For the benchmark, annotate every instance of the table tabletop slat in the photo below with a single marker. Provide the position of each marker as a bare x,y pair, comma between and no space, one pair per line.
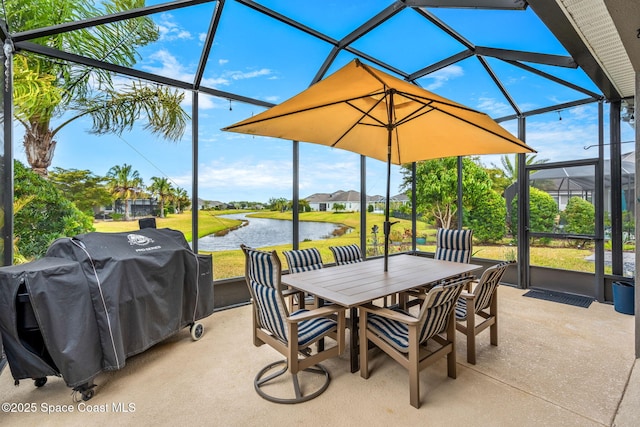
355,284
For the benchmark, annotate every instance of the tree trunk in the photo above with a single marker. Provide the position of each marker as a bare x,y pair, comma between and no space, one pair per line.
127,217
161,208
39,147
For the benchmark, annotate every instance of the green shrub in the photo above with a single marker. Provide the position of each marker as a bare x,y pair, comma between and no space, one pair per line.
46,217
487,219
579,216
543,211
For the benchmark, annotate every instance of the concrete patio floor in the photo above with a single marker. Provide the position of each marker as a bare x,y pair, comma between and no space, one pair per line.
556,365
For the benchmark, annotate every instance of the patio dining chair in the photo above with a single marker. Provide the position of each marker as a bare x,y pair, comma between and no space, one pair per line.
291,334
482,301
405,337
300,260
454,245
348,254
451,245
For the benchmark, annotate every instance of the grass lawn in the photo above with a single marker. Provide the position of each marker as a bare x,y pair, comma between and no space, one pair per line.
208,223
231,263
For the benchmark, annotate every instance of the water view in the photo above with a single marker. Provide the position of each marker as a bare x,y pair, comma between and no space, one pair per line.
260,232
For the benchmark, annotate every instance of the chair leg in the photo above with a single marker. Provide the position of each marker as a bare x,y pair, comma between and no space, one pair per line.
493,332
452,365
262,379
414,371
493,311
364,345
471,332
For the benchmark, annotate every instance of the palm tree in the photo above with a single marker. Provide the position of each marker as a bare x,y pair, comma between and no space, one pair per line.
181,199
278,204
511,168
124,183
162,189
45,90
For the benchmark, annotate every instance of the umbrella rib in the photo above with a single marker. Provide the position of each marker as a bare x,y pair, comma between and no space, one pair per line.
414,114
426,100
303,110
364,114
514,140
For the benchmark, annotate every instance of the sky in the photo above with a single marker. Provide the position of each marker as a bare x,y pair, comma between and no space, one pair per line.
264,59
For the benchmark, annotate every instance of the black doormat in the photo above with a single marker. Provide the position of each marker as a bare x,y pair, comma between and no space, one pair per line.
575,300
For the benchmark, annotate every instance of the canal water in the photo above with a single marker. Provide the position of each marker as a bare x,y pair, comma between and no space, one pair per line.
260,232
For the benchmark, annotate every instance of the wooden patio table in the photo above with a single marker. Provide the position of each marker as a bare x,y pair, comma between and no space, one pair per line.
352,285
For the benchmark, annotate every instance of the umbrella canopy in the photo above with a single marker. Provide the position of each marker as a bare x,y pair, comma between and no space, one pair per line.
367,111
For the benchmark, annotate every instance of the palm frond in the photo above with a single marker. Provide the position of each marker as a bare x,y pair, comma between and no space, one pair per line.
159,107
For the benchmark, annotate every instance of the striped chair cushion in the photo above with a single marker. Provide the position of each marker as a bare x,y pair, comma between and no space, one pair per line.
461,309
271,311
349,254
264,278
392,331
434,318
312,329
454,245
484,290
438,310
303,260
261,268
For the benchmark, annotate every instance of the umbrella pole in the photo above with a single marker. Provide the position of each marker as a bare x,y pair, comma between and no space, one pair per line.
387,224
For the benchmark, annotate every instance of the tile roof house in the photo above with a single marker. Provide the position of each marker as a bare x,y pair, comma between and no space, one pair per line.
350,199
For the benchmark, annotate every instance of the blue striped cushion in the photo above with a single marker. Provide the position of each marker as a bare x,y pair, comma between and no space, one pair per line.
263,271
392,331
437,312
461,309
261,268
491,279
454,245
312,329
346,254
484,290
264,279
303,260
434,316
271,310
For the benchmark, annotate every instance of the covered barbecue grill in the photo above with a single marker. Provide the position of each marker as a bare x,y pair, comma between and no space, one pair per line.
98,298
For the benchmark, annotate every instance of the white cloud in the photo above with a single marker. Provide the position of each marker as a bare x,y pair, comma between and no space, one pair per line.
268,176
223,61
168,66
440,77
170,30
242,75
163,63
493,107
204,103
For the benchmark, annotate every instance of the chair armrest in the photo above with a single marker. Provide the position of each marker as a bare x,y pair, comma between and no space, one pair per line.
471,285
389,314
290,291
466,295
323,311
416,293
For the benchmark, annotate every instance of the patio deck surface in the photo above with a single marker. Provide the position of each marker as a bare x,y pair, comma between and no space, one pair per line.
556,365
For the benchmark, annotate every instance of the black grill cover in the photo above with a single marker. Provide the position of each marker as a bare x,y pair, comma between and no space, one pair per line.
3,358
51,329
145,286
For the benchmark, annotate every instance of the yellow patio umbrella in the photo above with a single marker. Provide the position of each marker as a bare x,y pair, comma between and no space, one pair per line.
367,111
